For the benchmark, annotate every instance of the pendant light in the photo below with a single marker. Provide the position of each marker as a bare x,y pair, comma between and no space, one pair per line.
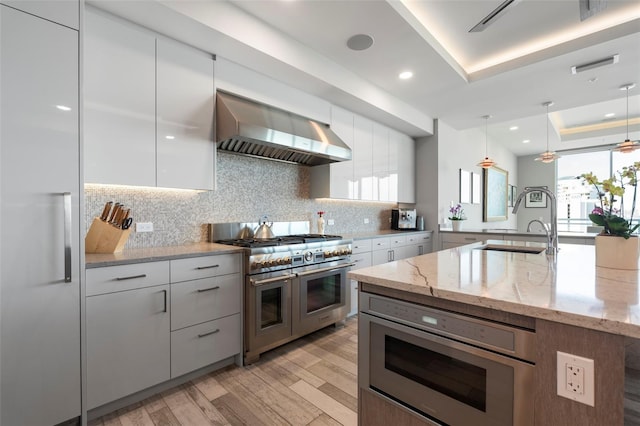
627,146
547,156
487,163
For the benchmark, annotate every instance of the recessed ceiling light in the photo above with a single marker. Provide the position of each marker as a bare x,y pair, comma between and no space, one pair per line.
63,108
611,114
404,75
513,128
613,59
360,42
526,141
170,137
593,80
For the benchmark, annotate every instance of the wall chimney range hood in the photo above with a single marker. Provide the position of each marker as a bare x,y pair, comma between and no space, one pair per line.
250,128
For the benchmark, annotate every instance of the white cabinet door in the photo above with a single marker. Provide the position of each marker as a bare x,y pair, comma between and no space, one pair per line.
128,343
120,103
65,12
363,158
185,96
39,162
380,155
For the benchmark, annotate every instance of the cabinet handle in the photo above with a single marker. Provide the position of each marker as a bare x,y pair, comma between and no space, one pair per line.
469,239
207,267
66,197
209,333
165,300
132,277
357,260
202,290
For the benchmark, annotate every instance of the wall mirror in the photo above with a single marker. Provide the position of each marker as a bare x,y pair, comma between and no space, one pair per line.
496,181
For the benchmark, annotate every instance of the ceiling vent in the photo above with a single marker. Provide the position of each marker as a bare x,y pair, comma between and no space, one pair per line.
613,59
491,18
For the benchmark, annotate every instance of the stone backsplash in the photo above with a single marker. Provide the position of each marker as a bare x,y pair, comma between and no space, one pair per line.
247,188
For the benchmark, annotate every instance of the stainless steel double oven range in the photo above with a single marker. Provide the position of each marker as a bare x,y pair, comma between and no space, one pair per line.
295,283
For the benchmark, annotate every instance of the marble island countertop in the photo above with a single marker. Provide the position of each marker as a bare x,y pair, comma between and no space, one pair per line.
568,289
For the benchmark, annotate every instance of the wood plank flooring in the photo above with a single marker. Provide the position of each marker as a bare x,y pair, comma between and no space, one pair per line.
311,381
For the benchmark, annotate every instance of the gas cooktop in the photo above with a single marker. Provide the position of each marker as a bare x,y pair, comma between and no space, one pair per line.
279,241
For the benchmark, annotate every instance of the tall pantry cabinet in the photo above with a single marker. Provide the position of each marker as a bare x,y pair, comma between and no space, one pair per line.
40,261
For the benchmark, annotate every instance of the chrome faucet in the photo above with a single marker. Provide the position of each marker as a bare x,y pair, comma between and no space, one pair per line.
552,234
545,228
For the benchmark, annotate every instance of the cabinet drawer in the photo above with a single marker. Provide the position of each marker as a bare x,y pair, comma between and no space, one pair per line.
418,238
203,344
126,277
381,243
397,241
205,266
465,238
361,246
206,299
361,260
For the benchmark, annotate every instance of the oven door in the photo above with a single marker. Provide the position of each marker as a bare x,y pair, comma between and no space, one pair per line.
320,298
444,380
268,313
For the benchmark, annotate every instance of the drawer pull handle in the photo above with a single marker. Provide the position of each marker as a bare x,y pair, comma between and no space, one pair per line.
202,290
207,267
469,239
209,333
132,277
165,300
357,260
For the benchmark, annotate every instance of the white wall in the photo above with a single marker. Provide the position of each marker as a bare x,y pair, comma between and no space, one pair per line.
464,149
534,173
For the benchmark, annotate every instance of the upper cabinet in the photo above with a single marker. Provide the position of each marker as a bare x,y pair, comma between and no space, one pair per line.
64,12
185,94
148,108
382,168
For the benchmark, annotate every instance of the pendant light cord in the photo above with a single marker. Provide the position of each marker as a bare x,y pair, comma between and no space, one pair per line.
628,112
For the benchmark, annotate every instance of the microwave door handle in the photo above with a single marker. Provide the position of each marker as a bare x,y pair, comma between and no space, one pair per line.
317,271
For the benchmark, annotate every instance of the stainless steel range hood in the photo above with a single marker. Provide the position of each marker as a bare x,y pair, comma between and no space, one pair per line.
250,128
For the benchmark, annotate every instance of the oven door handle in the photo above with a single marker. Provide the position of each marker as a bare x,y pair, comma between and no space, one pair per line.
333,268
258,283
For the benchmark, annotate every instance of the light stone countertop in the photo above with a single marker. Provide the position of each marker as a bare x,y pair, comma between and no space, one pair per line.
155,254
569,289
516,232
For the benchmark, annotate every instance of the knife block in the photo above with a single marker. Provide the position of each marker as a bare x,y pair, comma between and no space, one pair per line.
105,238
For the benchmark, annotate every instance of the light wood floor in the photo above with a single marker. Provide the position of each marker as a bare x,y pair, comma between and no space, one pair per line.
311,381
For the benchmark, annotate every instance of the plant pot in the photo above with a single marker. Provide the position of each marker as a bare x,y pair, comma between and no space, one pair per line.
456,225
616,252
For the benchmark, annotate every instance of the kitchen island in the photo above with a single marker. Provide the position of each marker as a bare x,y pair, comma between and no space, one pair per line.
569,304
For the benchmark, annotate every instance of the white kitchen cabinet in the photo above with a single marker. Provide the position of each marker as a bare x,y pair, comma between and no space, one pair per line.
363,158
185,97
40,189
418,244
381,171
361,257
120,105
128,343
128,330
64,12
148,108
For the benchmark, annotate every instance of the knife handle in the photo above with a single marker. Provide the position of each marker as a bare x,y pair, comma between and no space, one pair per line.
114,213
118,218
105,211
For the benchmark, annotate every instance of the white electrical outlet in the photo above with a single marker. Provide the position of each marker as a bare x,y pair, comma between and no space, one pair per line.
144,226
576,378
366,220
331,222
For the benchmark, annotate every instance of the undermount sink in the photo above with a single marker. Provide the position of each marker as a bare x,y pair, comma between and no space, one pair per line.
512,249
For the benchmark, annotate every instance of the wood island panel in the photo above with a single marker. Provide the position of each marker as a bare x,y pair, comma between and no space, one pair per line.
607,351
373,410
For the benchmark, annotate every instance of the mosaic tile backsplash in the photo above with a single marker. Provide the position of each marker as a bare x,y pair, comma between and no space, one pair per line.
247,188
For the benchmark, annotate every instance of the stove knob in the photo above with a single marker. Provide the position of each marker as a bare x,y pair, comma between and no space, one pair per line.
308,256
255,265
264,263
286,260
327,254
281,261
336,253
349,251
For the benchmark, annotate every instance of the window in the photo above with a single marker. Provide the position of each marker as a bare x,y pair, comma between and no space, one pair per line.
576,199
